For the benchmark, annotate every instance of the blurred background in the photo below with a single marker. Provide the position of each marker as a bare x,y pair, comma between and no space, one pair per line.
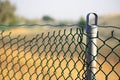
55,12
58,12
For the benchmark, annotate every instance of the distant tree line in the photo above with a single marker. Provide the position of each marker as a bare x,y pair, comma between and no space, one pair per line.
8,16
7,12
82,22
47,18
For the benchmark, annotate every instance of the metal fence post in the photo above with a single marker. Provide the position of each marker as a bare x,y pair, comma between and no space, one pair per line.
91,48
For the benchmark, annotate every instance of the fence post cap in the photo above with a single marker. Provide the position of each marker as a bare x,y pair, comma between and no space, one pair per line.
91,28
96,18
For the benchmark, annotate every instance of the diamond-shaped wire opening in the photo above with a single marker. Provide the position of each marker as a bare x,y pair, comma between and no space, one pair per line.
113,75
116,69
100,76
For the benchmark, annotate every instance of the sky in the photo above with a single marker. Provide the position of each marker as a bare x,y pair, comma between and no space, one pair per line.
65,9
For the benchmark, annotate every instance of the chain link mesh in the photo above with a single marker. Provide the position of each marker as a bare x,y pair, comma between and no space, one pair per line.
51,56
108,57
57,55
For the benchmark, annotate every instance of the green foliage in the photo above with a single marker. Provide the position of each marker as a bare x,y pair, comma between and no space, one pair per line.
47,18
7,12
82,22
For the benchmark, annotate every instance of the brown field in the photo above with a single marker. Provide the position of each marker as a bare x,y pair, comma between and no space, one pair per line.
31,63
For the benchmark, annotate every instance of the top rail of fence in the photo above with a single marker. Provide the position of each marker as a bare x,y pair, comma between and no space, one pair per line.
60,25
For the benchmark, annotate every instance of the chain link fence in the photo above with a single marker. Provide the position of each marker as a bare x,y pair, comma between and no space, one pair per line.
51,56
68,54
58,55
108,54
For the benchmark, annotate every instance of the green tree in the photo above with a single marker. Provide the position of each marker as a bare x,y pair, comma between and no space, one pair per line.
47,18
82,22
7,12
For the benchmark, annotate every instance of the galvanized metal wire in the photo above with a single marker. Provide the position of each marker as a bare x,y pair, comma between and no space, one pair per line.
57,55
